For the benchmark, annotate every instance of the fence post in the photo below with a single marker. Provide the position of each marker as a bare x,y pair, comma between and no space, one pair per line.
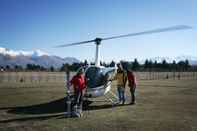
1,77
173,75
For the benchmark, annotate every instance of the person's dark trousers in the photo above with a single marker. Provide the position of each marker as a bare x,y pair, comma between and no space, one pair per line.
132,91
121,94
79,99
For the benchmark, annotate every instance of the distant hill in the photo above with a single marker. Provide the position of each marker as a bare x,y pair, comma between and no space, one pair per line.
38,57
192,59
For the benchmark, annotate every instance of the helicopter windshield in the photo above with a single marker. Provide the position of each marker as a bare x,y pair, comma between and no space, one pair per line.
95,77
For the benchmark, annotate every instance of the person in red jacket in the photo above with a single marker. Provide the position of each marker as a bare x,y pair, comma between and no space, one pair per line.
132,84
78,82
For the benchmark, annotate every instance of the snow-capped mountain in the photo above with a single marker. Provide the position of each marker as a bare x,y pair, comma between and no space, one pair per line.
192,59
14,53
38,57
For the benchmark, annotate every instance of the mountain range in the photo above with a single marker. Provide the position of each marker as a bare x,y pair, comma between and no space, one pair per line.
192,59
37,57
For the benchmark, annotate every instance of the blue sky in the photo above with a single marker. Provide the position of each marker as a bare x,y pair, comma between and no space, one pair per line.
42,24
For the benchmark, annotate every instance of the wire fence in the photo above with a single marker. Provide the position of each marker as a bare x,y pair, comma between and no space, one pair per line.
31,77
166,75
60,77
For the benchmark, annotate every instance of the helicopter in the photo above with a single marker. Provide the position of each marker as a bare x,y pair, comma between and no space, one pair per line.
99,78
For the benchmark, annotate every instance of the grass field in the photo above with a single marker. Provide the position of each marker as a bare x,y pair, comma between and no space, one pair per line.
162,105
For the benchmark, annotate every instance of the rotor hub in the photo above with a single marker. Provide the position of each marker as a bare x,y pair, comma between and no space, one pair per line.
98,41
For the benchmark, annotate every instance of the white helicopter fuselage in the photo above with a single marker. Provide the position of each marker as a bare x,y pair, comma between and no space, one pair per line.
98,80
97,92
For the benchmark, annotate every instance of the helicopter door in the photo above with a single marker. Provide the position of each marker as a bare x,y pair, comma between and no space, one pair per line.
95,77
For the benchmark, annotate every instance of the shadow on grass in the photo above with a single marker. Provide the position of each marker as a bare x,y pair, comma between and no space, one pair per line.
48,110
53,107
38,116
57,106
45,117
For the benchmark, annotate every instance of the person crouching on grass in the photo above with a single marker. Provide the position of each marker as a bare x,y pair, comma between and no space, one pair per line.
132,85
78,82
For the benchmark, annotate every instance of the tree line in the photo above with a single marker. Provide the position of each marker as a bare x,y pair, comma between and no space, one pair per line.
149,65
134,65
29,67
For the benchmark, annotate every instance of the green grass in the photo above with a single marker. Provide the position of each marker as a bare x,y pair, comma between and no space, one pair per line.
164,105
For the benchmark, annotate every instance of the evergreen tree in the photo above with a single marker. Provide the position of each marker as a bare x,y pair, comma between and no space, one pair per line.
112,64
18,68
146,64
65,67
181,65
164,65
155,64
85,62
150,65
7,67
136,65
52,69
187,65
174,65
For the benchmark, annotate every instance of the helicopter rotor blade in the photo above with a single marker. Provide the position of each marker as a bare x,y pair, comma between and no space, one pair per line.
73,44
159,30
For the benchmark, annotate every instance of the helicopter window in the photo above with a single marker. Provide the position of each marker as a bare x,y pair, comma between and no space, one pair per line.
95,77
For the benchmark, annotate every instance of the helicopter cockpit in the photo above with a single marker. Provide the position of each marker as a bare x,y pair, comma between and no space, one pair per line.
95,77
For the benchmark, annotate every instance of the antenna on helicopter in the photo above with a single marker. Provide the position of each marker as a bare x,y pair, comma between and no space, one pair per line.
97,41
